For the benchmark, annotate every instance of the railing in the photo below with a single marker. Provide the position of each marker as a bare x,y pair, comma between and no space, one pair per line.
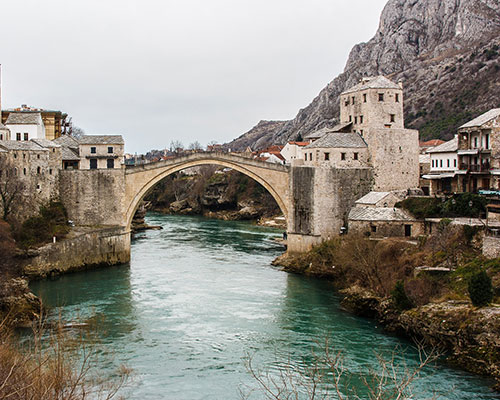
475,167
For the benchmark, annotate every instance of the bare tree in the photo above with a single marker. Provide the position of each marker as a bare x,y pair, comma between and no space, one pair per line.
176,146
77,132
11,187
328,375
195,146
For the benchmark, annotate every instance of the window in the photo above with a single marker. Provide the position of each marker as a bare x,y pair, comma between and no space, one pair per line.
110,163
380,97
110,150
393,118
18,136
92,150
50,171
93,163
355,120
342,156
1,136
327,156
407,230
475,142
441,163
361,132
24,171
487,141
38,156
396,97
26,136
455,162
360,119
374,228
350,118
364,98
355,156
353,100
38,170
432,163
347,101
448,162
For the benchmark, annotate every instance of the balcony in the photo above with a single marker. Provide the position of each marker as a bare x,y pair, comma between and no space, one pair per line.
475,167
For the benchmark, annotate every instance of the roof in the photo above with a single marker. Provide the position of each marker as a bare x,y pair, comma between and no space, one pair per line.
24,118
338,140
46,143
21,145
69,155
431,143
66,140
377,82
299,143
482,119
380,214
372,197
101,139
3,127
323,131
447,147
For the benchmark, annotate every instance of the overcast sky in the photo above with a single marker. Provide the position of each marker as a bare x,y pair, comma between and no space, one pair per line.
161,70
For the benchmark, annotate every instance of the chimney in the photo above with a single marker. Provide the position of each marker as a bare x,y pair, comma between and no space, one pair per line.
400,83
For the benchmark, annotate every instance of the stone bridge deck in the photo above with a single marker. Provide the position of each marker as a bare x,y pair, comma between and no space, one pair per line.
142,178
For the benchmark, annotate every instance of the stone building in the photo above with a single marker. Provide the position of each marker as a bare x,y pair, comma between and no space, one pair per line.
372,114
99,152
292,151
35,164
25,126
338,149
69,152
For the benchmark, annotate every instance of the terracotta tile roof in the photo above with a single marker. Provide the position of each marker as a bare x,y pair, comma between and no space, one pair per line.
299,143
431,143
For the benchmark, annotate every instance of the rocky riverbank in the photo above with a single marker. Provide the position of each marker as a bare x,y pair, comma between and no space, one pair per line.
441,314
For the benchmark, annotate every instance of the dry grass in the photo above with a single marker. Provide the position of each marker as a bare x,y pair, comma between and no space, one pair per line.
55,365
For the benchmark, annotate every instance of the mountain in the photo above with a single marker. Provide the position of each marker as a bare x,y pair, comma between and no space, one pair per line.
446,52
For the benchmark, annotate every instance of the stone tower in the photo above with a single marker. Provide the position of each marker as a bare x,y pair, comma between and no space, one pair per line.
374,107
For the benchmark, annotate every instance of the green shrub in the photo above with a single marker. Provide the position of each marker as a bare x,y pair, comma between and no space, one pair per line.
51,221
480,289
400,298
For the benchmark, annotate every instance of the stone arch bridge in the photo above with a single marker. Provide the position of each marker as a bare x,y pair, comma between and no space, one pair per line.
314,200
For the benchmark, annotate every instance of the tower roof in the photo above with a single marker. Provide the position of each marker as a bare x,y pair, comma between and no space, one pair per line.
377,82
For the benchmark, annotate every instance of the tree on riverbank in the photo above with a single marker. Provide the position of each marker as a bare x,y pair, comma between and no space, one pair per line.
327,375
10,187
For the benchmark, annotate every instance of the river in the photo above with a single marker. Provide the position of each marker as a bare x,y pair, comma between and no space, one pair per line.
200,295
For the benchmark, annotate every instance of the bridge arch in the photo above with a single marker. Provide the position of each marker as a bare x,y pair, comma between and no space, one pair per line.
139,180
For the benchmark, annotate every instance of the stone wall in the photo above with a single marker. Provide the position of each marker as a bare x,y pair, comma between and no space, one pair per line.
93,197
394,155
380,229
82,249
322,199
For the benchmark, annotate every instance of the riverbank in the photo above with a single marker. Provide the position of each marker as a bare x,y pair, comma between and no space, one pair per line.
366,272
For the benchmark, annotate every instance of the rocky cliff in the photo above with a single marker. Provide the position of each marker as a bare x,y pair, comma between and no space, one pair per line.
446,52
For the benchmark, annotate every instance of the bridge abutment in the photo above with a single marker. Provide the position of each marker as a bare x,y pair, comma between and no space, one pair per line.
321,198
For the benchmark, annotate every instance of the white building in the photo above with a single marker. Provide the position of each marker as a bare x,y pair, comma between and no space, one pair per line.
292,151
443,167
25,126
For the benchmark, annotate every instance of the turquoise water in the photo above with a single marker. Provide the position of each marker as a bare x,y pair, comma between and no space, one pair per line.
200,295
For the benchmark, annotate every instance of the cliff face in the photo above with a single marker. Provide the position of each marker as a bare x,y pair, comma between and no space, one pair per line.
446,52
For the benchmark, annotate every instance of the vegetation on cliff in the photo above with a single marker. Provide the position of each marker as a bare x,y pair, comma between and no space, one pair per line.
213,192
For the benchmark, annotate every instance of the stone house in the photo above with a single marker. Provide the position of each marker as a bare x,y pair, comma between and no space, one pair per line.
444,171
36,165
99,152
381,222
69,152
25,126
479,152
337,149
371,112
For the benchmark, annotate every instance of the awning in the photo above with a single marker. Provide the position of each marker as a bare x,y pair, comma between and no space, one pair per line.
468,152
439,176
461,172
495,171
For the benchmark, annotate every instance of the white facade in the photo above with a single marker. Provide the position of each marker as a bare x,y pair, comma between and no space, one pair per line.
25,126
444,162
293,151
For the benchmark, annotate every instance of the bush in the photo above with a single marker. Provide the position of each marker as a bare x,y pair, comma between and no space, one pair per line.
480,289
51,221
400,298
